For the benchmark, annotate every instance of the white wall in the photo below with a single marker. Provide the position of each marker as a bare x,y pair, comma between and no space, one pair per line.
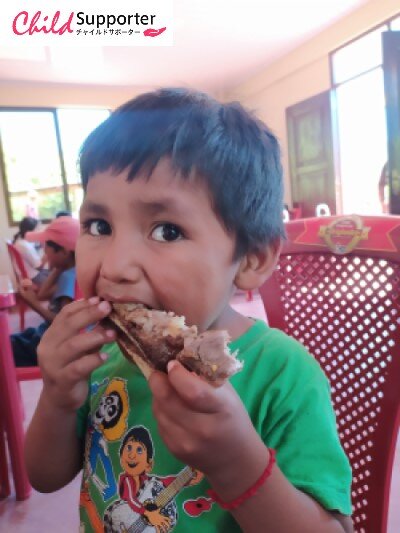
305,72
299,75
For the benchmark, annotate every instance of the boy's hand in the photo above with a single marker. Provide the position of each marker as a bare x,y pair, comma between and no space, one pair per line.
27,293
67,355
203,426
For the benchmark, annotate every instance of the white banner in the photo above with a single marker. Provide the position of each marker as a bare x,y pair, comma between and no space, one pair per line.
86,23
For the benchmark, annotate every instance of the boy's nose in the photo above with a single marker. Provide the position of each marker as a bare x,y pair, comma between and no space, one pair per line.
120,263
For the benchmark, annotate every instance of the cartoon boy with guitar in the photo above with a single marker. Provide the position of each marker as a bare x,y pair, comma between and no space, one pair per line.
146,502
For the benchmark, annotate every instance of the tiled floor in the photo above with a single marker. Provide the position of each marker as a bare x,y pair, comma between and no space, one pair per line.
57,512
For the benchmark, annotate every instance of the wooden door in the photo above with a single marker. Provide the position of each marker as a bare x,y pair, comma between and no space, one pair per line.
310,144
391,69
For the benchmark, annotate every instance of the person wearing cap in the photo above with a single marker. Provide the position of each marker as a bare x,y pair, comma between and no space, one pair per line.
59,239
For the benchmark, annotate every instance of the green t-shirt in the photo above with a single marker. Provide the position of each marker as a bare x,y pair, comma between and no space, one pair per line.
288,399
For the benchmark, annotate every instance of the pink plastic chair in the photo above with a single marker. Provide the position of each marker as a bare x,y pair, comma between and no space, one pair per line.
10,416
337,290
20,274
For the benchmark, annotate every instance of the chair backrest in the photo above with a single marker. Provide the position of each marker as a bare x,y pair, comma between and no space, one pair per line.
17,262
336,289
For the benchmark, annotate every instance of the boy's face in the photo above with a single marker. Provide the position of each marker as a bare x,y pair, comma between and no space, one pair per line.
134,458
56,259
158,242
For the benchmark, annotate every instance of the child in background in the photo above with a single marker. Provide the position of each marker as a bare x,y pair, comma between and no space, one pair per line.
59,240
32,259
183,204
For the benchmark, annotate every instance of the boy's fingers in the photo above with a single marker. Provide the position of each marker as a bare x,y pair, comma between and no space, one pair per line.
76,305
73,318
82,368
86,342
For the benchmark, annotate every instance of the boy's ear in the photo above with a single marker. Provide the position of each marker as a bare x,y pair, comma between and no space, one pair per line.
257,266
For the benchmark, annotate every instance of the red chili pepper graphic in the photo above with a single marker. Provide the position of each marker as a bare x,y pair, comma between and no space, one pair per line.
151,32
197,507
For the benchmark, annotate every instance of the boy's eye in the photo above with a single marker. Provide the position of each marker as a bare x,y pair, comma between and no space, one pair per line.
98,227
167,233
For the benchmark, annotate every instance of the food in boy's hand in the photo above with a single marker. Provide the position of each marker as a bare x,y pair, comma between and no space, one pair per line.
151,338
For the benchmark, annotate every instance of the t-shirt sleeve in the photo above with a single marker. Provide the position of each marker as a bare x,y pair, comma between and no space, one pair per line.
302,428
65,287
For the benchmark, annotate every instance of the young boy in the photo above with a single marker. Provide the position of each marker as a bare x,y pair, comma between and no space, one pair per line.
59,238
183,204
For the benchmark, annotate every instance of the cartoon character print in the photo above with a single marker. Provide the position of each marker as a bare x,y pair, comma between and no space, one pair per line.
107,423
146,502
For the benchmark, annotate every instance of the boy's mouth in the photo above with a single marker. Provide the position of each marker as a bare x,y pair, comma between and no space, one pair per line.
113,300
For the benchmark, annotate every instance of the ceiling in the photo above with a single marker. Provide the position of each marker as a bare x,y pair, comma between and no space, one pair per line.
217,45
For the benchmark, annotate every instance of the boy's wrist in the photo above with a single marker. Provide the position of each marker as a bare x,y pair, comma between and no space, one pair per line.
51,408
233,479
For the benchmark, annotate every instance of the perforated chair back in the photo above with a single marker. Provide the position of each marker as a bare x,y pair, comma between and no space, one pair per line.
336,289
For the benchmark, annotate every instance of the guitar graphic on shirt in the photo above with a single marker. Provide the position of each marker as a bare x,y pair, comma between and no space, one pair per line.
120,518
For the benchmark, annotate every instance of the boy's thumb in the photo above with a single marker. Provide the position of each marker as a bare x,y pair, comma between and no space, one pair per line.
194,391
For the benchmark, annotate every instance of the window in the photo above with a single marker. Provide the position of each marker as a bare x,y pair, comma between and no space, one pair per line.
39,150
75,125
395,24
362,135
357,78
358,57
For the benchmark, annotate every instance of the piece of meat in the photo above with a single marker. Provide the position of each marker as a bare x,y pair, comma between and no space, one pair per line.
157,337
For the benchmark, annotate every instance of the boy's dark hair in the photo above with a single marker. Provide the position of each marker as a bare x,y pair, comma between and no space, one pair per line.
57,248
63,214
234,152
26,224
139,434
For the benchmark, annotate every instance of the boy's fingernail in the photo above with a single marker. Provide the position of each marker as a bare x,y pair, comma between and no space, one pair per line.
110,333
103,356
104,306
171,365
94,300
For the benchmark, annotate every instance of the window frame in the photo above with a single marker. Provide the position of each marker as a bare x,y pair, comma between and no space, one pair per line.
387,22
64,183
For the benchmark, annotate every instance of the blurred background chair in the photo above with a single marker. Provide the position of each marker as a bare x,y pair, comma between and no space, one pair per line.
11,413
20,274
322,210
336,289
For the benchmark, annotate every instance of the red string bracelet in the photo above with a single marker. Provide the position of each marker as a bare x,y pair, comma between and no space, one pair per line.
233,504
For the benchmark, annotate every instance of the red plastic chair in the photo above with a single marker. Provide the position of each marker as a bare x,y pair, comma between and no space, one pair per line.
20,274
11,428
12,414
337,290
28,373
